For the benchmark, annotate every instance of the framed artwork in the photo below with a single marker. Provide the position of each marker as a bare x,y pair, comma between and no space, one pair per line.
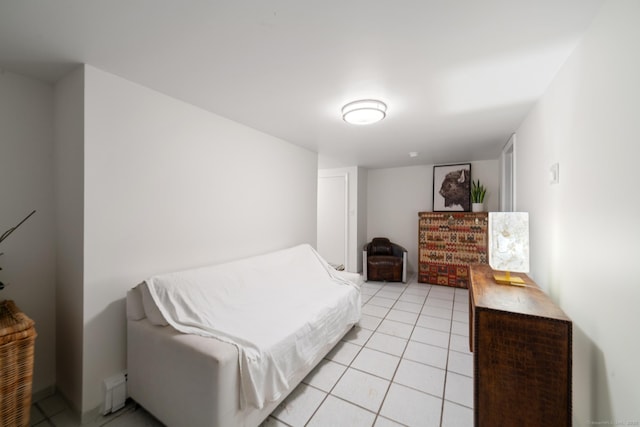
452,188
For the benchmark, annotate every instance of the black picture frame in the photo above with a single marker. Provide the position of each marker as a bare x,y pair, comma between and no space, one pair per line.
452,188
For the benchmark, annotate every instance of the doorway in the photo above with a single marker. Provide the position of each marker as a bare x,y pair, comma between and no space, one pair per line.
508,176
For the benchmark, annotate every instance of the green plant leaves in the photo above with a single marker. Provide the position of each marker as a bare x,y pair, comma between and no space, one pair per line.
478,191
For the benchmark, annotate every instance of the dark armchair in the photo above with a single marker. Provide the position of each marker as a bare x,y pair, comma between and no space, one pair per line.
383,260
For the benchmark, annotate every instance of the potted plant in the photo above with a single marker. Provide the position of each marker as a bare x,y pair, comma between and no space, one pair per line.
478,191
7,233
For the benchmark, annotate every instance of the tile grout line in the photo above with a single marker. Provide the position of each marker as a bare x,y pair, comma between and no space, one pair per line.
446,371
403,352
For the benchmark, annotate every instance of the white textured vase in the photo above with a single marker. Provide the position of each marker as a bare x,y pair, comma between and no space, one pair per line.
477,207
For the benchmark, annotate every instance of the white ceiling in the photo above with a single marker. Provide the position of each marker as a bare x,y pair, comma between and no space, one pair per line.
458,76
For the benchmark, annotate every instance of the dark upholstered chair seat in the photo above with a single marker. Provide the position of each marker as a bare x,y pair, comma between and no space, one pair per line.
384,261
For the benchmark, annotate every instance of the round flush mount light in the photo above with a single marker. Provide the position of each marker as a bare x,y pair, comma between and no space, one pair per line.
364,112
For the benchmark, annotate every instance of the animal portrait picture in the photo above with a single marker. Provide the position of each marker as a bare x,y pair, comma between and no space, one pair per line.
452,187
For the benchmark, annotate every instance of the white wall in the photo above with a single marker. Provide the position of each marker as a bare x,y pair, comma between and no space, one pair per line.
26,183
361,238
585,230
333,229
69,192
396,195
169,186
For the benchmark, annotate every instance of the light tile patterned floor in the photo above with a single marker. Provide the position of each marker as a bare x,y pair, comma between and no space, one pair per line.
406,364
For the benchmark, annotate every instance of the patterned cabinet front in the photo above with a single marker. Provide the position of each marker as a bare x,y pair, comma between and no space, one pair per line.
448,243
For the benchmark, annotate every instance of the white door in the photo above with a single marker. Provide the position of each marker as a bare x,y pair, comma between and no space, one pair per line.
332,219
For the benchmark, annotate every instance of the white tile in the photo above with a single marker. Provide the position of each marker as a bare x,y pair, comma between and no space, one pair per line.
325,375
36,415
411,407
459,343
357,335
421,290
421,377
442,292
382,302
362,389
443,313
395,286
398,329
430,336
459,316
387,343
272,422
134,418
344,353
461,363
368,291
298,407
65,419
427,354
338,413
385,422
402,316
456,416
373,285
459,389
52,405
374,310
376,363
369,322
419,293
462,306
389,293
436,323
416,299
408,306
460,328
461,293
437,302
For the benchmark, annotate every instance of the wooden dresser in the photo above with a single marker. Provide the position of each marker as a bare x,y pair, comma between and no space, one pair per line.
448,242
522,354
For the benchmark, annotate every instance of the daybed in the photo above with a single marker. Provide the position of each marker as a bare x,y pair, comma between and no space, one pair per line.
224,345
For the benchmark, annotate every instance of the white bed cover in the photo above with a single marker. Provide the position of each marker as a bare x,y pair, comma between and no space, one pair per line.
278,309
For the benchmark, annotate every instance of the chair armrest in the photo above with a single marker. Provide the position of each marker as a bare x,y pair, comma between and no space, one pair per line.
364,263
397,250
404,266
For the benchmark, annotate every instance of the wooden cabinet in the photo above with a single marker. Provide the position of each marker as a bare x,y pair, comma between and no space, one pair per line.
448,243
522,354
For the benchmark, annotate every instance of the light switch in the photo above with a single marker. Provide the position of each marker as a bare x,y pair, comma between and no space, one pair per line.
554,174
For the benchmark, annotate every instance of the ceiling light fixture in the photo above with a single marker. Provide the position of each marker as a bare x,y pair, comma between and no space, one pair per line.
364,112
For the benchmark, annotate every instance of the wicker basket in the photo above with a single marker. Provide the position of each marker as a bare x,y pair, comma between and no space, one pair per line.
17,339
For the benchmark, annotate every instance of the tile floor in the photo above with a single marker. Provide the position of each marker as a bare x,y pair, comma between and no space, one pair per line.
407,363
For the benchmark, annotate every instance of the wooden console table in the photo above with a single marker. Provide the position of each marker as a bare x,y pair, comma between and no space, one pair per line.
522,354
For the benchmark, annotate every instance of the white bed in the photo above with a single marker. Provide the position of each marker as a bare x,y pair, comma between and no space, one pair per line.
224,345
